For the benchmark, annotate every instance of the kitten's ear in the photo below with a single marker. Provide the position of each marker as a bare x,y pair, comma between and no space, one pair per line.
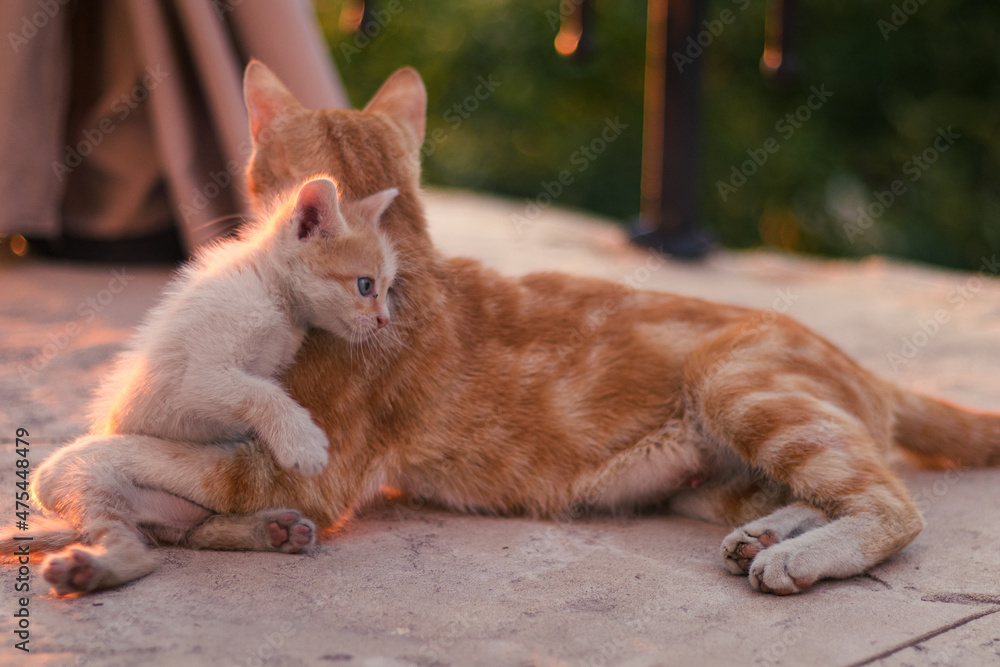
373,206
266,98
404,99
317,209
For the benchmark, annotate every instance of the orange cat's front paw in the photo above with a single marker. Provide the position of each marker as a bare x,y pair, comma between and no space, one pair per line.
776,571
743,547
740,548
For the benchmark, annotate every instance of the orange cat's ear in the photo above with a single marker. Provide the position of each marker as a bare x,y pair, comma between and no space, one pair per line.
404,99
317,209
267,99
373,206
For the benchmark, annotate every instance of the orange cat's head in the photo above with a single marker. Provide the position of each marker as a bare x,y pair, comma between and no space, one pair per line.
367,151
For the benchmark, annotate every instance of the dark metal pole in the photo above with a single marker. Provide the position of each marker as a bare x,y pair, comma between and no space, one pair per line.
780,63
575,39
669,213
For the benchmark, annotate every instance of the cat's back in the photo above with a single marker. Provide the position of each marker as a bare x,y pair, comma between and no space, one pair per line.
570,352
559,310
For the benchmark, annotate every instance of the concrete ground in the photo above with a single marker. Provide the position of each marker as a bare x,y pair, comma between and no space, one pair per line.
425,587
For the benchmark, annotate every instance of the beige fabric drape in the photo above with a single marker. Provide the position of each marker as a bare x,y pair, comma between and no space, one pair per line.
120,118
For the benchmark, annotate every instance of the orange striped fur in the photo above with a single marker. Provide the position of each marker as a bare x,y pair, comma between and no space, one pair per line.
541,393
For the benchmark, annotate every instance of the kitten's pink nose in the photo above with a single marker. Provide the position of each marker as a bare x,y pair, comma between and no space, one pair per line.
381,321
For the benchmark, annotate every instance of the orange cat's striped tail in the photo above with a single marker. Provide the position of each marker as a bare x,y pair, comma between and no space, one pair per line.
47,535
942,434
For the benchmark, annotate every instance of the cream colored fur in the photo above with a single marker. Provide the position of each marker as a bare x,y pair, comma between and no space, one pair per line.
203,369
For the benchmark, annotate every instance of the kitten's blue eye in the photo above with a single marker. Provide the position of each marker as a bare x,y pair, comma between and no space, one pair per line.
365,286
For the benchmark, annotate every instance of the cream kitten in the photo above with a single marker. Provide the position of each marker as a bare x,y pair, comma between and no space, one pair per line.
201,372
203,367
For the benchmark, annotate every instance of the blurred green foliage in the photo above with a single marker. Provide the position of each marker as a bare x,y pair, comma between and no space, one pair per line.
892,91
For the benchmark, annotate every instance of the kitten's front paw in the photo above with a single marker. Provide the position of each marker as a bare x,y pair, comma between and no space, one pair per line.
741,547
780,571
301,446
72,571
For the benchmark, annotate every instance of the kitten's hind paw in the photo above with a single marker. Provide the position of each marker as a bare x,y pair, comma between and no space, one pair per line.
288,531
72,571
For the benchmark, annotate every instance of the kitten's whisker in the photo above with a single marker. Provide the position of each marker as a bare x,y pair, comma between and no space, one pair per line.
400,322
350,346
392,335
388,341
364,348
240,217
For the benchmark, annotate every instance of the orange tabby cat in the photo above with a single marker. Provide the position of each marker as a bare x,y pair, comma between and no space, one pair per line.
549,392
